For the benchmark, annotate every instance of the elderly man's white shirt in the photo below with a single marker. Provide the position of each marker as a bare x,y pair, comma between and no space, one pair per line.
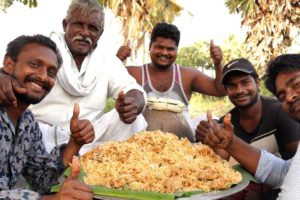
110,78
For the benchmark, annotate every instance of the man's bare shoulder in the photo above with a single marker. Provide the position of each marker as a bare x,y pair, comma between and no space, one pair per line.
134,67
135,71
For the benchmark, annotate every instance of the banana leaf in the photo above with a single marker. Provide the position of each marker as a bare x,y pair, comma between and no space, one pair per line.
100,191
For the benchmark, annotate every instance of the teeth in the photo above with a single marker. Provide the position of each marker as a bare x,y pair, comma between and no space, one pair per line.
36,86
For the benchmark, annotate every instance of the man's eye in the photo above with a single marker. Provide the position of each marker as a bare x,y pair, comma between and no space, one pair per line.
297,84
94,29
52,74
34,64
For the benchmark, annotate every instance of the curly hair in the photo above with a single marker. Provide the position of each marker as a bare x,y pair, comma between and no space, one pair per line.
286,63
165,30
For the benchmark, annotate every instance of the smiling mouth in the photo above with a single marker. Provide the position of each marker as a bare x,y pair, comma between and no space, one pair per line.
241,97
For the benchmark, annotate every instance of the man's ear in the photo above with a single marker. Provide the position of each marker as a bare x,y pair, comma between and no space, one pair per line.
257,80
8,65
64,23
150,43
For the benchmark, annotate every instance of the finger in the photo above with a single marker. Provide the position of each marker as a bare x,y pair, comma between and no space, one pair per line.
200,135
9,92
209,118
127,44
75,167
74,123
85,138
212,44
17,87
84,126
121,96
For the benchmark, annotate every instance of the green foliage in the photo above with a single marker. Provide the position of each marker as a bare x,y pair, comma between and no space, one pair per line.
198,55
245,7
232,49
110,104
199,104
30,3
195,55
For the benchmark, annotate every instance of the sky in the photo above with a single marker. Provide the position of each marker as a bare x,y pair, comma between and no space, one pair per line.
201,20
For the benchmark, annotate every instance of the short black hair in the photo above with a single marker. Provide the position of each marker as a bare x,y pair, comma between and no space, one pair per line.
285,63
14,48
165,30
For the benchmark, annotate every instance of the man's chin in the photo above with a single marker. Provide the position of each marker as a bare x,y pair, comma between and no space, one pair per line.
29,99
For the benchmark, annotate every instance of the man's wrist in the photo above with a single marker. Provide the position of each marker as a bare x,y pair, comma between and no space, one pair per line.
231,143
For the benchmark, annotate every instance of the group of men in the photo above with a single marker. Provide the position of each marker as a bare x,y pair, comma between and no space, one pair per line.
67,117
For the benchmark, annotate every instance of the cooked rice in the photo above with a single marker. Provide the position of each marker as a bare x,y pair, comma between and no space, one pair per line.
160,162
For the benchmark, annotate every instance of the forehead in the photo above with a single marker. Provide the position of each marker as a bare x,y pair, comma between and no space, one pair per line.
34,51
283,80
164,41
91,17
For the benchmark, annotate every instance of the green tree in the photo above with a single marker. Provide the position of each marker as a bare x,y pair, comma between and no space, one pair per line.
6,3
137,17
195,56
273,26
198,55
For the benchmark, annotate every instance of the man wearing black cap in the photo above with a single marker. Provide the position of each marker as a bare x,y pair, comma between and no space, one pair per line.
258,120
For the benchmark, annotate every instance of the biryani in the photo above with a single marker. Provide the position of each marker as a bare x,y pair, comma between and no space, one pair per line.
160,162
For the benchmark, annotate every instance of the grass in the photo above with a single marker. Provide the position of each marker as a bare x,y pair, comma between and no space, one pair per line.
199,104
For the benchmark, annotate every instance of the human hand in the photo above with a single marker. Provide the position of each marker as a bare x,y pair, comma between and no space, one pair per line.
213,134
7,87
82,131
72,188
124,51
215,54
127,108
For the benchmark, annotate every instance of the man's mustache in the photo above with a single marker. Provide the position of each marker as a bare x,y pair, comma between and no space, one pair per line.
86,39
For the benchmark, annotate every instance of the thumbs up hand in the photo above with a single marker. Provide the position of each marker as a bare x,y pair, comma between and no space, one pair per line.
127,108
124,51
226,132
214,134
82,131
72,188
215,54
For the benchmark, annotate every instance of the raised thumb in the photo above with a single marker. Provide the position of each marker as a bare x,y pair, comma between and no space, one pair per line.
121,96
209,118
127,44
75,118
212,43
75,167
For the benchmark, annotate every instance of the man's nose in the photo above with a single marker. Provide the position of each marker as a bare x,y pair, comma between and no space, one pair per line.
290,95
239,88
85,30
42,74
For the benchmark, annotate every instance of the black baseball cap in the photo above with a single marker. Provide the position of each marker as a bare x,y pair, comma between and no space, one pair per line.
240,64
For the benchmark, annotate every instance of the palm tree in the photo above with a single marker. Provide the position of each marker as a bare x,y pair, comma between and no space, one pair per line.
139,16
273,26
6,3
